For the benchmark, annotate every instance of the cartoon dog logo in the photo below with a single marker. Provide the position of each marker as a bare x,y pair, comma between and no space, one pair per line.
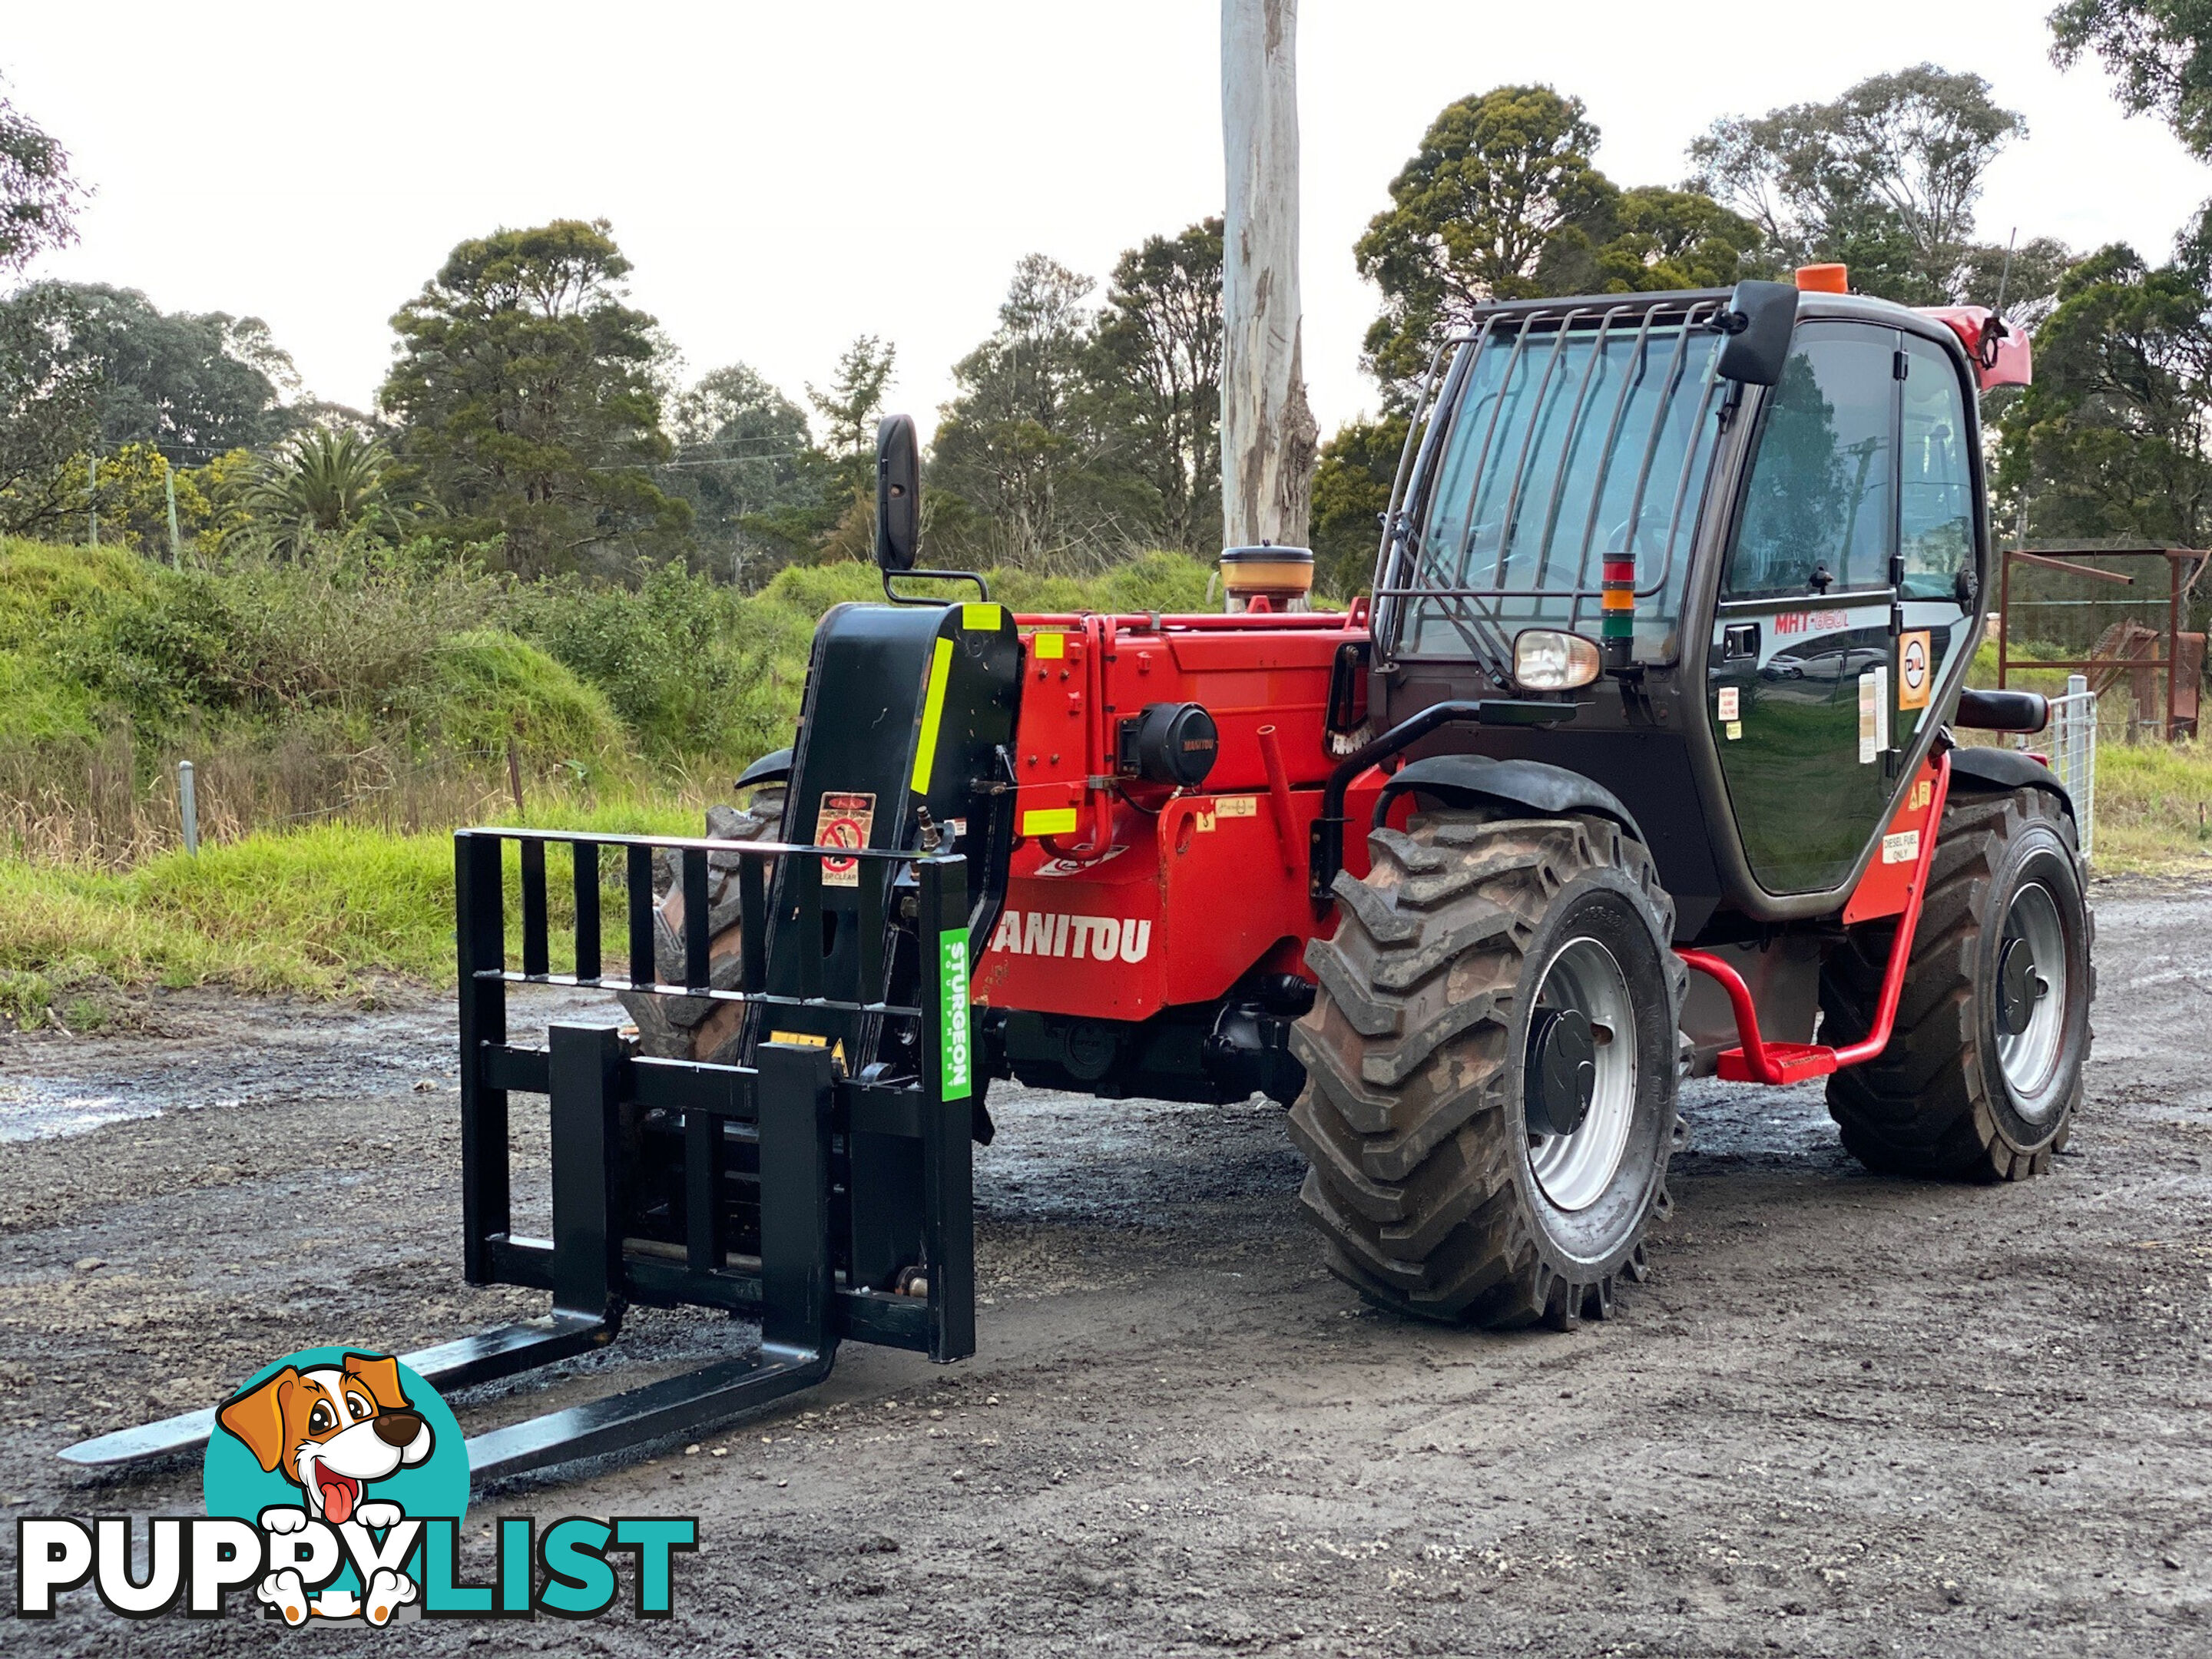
332,1431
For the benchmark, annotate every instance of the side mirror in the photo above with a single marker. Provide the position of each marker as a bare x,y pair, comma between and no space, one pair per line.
898,493
1757,321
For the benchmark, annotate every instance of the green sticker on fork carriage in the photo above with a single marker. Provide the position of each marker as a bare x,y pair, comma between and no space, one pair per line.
955,1039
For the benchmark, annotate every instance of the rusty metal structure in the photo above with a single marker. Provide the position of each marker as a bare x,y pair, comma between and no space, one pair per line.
2146,656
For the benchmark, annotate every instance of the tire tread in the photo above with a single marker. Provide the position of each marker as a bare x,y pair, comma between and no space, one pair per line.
1409,1177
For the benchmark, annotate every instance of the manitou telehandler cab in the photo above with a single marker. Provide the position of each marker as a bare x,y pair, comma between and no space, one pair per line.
1638,765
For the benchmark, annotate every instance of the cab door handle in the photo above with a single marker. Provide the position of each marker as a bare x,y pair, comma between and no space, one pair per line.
1739,639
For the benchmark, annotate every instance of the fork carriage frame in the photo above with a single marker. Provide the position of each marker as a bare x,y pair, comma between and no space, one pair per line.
850,1171
828,1185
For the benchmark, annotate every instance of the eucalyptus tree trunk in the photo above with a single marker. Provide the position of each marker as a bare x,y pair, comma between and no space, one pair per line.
1267,432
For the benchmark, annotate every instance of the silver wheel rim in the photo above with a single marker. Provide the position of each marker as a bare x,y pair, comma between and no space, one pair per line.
1573,1171
2029,1058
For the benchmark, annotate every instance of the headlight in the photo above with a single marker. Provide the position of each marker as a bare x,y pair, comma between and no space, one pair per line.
1546,660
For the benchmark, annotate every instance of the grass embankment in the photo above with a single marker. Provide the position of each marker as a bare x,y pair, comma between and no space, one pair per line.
322,910
2154,799
342,712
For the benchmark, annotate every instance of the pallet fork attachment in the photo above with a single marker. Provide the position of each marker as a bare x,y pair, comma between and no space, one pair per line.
854,1193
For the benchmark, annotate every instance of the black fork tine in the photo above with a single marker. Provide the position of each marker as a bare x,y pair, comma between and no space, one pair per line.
641,968
696,975
586,855
535,956
752,922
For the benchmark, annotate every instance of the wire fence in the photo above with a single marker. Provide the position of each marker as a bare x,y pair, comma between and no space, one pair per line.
2071,744
2073,753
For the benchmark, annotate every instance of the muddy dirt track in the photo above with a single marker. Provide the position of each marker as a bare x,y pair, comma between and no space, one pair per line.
1847,1415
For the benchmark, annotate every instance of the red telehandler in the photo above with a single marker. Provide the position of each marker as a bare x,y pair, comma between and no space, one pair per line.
1638,764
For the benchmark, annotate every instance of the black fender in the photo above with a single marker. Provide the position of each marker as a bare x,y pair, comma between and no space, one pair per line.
1988,771
1526,785
774,767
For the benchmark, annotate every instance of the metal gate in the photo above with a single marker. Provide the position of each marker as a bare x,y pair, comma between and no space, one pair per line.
2073,753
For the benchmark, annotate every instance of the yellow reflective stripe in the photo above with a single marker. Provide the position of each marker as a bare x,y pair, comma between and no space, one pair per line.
933,712
1049,821
1048,645
981,618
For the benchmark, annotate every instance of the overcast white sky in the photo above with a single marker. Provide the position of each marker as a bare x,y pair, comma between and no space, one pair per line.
785,176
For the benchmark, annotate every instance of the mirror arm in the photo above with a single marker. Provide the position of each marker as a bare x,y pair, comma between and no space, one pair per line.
897,598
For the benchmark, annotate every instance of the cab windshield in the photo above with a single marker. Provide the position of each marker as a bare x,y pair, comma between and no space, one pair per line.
1562,437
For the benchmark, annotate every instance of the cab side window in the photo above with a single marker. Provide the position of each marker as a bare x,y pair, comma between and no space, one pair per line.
1936,493
1819,500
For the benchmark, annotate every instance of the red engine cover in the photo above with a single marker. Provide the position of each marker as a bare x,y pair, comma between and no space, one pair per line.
1126,896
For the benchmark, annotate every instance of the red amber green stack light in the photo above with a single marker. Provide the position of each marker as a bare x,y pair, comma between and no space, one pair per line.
1619,607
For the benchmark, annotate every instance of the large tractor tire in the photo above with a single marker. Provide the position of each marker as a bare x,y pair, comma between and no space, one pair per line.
1983,1072
1493,1065
697,1028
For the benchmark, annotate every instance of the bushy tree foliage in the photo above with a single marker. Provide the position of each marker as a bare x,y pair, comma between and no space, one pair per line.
1652,239
39,199
760,492
191,385
132,494
1019,442
851,404
2112,439
1156,377
49,404
2159,52
1502,202
1497,176
530,398
1883,179
2021,282
1351,493
86,368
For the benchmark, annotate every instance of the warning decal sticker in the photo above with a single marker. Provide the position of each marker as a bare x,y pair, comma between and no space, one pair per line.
1874,713
1912,673
845,820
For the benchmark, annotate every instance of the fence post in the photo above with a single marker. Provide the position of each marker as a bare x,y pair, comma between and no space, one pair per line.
92,493
188,806
176,541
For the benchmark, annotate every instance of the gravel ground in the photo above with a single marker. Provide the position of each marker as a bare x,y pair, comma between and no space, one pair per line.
1847,1415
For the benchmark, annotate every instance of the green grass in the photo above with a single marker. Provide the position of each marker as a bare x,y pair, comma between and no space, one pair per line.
494,689
2153,799
2155,808
44,586
321,911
